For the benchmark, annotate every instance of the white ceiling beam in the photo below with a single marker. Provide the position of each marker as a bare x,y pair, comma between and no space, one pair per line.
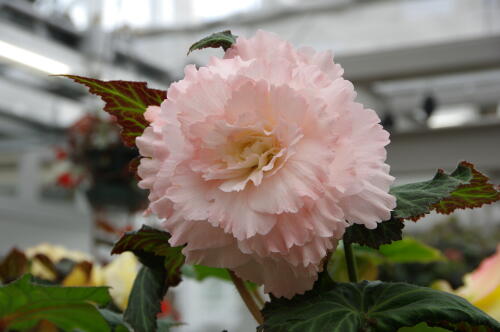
422,151
37,105
445,57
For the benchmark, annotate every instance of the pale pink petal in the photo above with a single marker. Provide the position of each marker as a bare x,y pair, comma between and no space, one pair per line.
196,235
188,193
312,253
231,212
263,45
278,277
323,60
152,113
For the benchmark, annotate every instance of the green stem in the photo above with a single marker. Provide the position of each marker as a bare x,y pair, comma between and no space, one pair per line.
351,262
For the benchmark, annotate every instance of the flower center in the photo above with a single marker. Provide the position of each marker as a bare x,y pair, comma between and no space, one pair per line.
251,149
246,156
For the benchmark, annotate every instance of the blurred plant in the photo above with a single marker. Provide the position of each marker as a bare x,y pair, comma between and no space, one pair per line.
95,160
452,234
463,246
53,265
369,261
27,305
481,287
56,265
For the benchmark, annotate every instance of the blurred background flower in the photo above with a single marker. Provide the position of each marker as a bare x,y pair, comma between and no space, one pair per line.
481,286
93,161
57,265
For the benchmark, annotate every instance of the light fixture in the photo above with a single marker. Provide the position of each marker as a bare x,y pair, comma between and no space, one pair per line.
32,59
453,116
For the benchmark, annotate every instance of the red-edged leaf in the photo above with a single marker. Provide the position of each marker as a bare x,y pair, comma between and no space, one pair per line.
464,188
126,101
471,195
149,243
161,270
146,239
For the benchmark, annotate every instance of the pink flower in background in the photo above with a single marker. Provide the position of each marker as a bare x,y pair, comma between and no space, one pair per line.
259,161
481,286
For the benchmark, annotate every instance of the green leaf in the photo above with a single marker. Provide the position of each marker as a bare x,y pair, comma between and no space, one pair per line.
201,272
464,188
23,304
375,307
409,250
422,327
114,320
386,232
165,324
13,266
117,323
145,299
126,101
222,39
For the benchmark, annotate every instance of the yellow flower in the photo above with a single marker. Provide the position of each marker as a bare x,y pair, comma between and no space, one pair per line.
56,253
119,275
80,275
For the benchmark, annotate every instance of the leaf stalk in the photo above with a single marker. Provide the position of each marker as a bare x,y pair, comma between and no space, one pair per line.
350,262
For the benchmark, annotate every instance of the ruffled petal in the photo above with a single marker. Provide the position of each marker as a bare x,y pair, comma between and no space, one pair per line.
278,277
231,212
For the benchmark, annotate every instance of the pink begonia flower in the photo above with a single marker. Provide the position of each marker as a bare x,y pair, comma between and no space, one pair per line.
260,160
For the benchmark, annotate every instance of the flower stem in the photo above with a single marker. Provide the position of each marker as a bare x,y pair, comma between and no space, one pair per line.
258,297
247,297
350,262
